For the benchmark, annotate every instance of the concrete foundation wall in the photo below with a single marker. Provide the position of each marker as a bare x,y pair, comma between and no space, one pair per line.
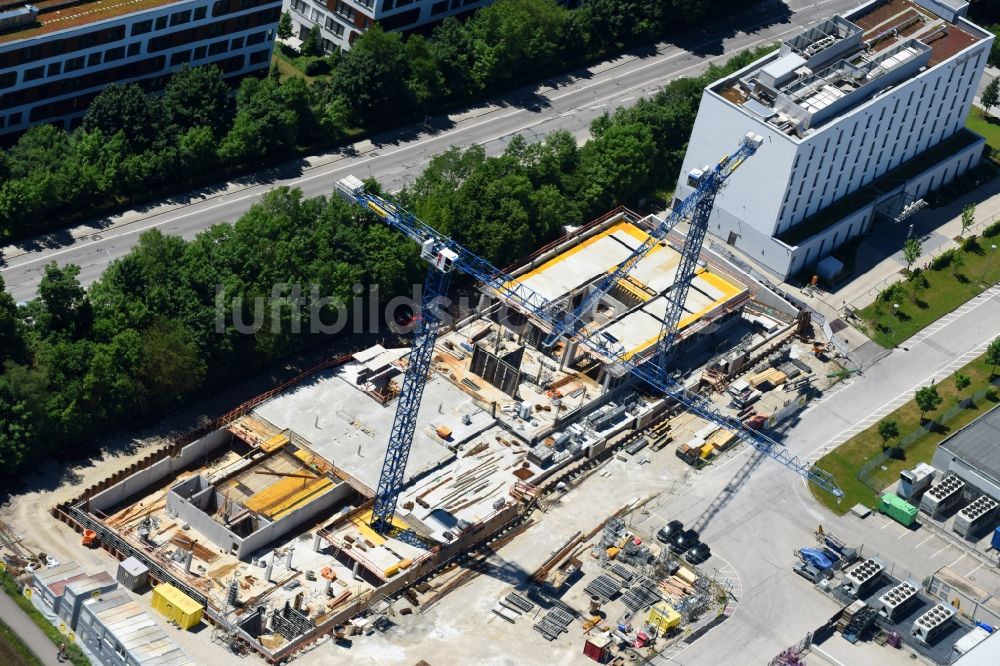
267,535
158,471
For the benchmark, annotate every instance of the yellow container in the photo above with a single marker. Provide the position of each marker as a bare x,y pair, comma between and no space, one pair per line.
176,606
664,617
706,451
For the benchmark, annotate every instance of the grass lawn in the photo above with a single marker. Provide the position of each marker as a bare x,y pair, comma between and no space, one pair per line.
845,461
989,126
946,292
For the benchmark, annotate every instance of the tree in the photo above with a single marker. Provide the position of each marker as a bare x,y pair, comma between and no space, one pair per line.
927,399
198,97
962,382
990,96
371,77
10,336
127,109
312,45
64,299
887,429
426,83
957,261
263,125
616,167
169,362
968,218
993,356
285,25
911,251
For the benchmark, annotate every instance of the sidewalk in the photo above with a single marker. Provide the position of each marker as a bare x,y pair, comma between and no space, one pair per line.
29,632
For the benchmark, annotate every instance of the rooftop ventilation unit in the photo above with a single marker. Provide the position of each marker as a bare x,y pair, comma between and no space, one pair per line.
863,577
913,482
931,623
943,496
893,604
975,517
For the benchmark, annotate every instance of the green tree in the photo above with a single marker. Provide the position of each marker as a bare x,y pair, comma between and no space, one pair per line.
426,83
993,356
927,400
887,429
128,109
64,299
616,167
264,125
197,97
513,37
957,261
968,218
990,96
196,149
285,25
169,362
912,250
312,45
962,382
10,335
372,76
16,429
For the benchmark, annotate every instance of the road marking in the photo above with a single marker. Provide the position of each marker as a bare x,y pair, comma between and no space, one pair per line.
969,575
943,548
903,534
887,523
925,541
960,558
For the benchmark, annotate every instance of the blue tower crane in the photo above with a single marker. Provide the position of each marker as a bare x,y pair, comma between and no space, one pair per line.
697,206
445,255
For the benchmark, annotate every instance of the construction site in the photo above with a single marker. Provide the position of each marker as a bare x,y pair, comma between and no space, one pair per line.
290,521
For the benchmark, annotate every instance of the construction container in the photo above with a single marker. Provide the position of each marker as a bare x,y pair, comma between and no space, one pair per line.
976,517
943,496
913,482
84,589
863,578
895,602
176,606
443,431
664,617
132,574
932,623
898,509
596,647
706,451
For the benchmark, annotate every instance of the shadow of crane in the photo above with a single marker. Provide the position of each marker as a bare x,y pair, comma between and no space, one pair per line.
729,492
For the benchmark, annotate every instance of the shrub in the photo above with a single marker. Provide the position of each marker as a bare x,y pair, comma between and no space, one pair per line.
943,260
317,67
992,230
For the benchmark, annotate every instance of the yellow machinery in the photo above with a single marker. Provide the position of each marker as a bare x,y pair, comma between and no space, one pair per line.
664,617
176,606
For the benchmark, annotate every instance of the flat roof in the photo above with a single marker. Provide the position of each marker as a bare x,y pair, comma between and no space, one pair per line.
978,444
76,14
986,653
144,639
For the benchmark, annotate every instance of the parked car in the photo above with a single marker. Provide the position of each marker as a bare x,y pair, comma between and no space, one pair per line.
698,553
669,531
683,541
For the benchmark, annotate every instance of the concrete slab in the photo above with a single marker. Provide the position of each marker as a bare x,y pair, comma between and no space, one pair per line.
351,429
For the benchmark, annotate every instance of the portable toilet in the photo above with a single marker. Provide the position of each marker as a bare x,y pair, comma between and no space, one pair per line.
995,543
176,606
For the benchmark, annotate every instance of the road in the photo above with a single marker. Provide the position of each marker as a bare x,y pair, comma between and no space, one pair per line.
567,103
29,632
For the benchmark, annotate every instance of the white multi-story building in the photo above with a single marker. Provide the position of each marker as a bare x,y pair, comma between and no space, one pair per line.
341,21
57,55
861,116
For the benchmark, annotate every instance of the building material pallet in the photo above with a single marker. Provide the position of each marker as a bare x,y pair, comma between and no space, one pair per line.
603,587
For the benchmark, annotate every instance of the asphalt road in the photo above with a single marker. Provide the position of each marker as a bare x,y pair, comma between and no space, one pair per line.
567,103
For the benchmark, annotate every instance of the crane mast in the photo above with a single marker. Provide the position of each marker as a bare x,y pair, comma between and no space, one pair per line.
445,255
697,206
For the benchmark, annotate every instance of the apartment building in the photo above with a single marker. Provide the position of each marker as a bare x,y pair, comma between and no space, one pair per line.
57,55
341,21
862,115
